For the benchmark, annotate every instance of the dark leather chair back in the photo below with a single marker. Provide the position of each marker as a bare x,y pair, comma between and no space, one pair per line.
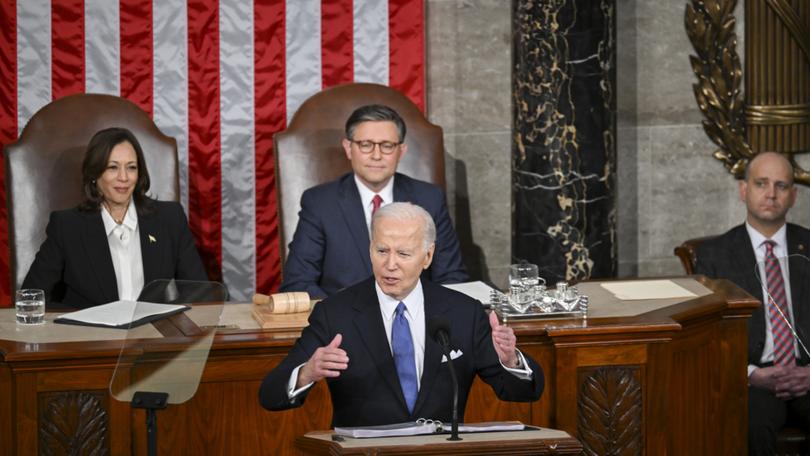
309,151
43,167
687,252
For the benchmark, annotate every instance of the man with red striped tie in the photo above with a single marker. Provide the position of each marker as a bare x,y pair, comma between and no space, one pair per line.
329,250
766,257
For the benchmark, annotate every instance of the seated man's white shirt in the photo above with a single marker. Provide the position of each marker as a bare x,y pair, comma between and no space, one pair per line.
415,314
125,249
366,197
780,252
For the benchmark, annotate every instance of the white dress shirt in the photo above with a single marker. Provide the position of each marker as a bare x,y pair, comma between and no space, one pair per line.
125,249
366,195
780,252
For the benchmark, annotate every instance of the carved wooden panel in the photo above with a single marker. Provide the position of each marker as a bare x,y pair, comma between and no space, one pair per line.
609,403
73,423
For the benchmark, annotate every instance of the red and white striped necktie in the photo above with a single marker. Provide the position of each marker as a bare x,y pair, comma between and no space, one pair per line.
782,337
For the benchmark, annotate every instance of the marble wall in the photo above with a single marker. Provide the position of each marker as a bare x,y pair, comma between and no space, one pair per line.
563,171
469,87
670,188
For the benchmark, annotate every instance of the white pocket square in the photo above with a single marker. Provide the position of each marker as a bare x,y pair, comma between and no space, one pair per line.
454,354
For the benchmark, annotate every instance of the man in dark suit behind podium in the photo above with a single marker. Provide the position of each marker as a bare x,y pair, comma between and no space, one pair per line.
755,257
369,341
329,250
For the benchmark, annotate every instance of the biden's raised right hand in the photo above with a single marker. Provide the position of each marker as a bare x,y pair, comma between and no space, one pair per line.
326,362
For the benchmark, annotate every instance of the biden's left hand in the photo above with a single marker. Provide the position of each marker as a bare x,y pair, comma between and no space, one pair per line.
504,340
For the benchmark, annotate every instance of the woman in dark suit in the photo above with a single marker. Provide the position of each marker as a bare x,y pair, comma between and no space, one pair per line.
118,239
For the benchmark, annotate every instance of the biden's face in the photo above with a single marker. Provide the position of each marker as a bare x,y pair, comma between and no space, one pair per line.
398,255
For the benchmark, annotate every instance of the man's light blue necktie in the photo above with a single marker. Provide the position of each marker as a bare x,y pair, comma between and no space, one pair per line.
402,344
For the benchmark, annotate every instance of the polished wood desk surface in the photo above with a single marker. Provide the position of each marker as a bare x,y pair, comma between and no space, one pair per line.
606,314
529,442
676,371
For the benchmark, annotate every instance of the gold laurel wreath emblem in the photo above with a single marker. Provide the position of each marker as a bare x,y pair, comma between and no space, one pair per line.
710,27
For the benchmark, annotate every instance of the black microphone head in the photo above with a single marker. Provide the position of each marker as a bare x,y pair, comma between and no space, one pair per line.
439,329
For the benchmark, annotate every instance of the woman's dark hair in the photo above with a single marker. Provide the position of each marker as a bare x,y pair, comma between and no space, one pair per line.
95,163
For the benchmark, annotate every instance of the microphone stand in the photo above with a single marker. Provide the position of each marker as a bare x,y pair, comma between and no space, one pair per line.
445,343
151,401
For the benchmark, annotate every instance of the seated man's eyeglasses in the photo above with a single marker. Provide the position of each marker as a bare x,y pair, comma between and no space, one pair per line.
367,147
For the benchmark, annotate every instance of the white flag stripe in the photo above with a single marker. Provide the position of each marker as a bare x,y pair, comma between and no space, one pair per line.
237,147
33,58
170,105
371,56
303,40
102,47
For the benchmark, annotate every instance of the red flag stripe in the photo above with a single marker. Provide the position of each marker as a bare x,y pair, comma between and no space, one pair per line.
8,126
204,164
337,30
407,48
8,83
67,47
137,53
270,114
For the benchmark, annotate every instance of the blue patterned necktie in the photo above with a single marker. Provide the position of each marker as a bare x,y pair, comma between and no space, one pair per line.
402,344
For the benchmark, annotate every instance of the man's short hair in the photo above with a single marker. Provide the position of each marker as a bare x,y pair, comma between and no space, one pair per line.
374,113
404,212
751,160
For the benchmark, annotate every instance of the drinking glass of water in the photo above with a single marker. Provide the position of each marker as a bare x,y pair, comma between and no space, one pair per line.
30,306
523,281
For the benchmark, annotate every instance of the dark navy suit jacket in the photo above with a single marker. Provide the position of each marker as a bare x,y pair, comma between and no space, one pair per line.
731,256
75,268
368,392
329,250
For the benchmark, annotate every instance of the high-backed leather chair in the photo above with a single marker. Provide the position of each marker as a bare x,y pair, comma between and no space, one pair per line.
790,440
309,151
43,167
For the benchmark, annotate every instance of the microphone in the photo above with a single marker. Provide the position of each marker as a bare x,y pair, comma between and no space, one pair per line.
439,330
772,302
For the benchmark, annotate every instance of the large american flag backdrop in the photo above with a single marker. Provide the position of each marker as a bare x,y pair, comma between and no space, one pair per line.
219,76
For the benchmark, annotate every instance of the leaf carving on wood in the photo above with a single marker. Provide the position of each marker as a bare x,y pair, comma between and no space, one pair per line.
73,422
610,412
710,27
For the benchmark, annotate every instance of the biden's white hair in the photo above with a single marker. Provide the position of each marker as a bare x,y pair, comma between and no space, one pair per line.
405,212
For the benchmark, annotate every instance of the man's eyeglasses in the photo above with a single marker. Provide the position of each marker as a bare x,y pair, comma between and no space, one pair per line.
367,147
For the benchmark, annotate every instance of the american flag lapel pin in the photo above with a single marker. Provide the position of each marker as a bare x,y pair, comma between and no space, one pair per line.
152,239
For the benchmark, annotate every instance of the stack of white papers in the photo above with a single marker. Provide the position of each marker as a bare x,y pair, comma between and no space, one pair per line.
422,427
636,290
120,314
476,290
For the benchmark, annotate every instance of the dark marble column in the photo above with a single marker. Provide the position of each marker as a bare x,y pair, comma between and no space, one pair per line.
564,148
